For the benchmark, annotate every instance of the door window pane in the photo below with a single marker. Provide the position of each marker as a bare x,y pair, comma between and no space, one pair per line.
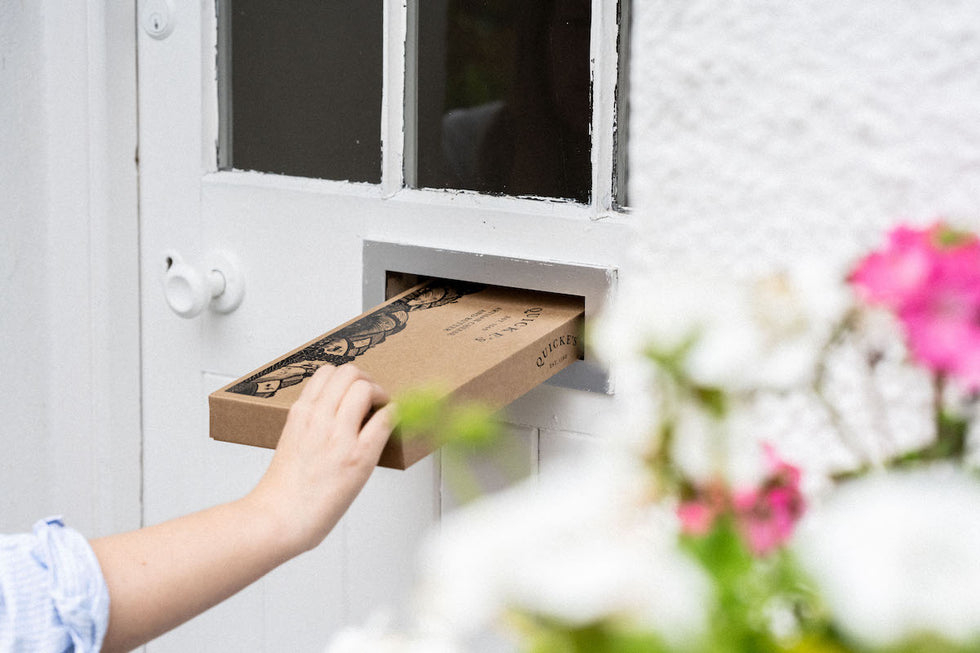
504,97
621,162
301,87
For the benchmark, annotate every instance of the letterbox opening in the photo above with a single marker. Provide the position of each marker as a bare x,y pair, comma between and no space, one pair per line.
390,268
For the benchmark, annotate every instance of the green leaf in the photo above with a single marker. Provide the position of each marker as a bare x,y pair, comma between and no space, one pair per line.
473,425
947,237
950,442
551,636
929,643
418,412
722,551
714,400
428,413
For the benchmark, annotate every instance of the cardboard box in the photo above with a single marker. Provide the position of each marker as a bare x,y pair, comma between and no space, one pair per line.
483,343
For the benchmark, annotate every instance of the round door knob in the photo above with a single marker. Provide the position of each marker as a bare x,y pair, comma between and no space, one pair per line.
190,289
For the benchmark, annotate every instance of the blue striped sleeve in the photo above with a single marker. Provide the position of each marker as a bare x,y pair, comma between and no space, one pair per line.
53,597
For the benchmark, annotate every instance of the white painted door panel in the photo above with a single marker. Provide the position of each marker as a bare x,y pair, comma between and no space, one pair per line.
299,242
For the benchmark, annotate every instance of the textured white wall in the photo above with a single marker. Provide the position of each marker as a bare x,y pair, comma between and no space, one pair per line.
764,130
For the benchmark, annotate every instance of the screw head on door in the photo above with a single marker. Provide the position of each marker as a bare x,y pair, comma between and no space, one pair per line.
190,289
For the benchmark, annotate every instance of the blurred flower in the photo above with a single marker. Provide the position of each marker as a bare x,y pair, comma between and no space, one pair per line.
792,314
376,637
895,556
930,278
892,275
720,332
578,547
698,515
692,537
765,516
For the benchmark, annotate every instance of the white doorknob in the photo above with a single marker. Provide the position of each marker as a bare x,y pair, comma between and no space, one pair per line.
190,289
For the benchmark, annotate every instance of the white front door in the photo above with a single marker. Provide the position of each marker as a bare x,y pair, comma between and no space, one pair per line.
299,242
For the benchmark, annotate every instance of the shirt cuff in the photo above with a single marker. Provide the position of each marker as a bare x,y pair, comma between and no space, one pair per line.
78,590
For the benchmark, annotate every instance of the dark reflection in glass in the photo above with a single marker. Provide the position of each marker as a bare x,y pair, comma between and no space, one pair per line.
621,161
504,97
301,87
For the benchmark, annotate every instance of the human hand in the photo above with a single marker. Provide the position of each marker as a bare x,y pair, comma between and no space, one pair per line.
325,454
162,575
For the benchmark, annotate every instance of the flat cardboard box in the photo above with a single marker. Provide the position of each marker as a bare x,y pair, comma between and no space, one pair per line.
479,343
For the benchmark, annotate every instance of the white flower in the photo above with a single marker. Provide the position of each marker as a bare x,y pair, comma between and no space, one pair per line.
739,334
726,347
659,310
731,447
801,309
784,320
375,637
577,545
896,555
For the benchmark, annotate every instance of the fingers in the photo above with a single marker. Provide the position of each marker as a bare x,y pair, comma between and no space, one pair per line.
313,387
327,387
357,403
337,400
306,409
375,433
337,387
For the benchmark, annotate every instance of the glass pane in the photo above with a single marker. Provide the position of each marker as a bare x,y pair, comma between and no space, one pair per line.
301,87
504,97
621,161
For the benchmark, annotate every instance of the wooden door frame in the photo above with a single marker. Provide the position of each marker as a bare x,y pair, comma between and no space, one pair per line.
91,259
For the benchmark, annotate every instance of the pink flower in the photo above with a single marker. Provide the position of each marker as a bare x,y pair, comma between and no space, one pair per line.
930,279
767,516
890,276
698,515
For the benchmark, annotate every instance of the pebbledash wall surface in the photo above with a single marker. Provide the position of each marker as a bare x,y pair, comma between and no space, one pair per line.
759,133
762,131
767,133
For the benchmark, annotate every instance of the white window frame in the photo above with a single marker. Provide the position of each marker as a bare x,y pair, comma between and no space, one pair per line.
397,139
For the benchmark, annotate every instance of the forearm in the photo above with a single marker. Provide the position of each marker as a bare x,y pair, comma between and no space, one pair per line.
163,575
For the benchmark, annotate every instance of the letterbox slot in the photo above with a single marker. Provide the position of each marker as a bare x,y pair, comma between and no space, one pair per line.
392,267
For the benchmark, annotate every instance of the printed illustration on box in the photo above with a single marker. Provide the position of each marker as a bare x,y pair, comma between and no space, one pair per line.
346,344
